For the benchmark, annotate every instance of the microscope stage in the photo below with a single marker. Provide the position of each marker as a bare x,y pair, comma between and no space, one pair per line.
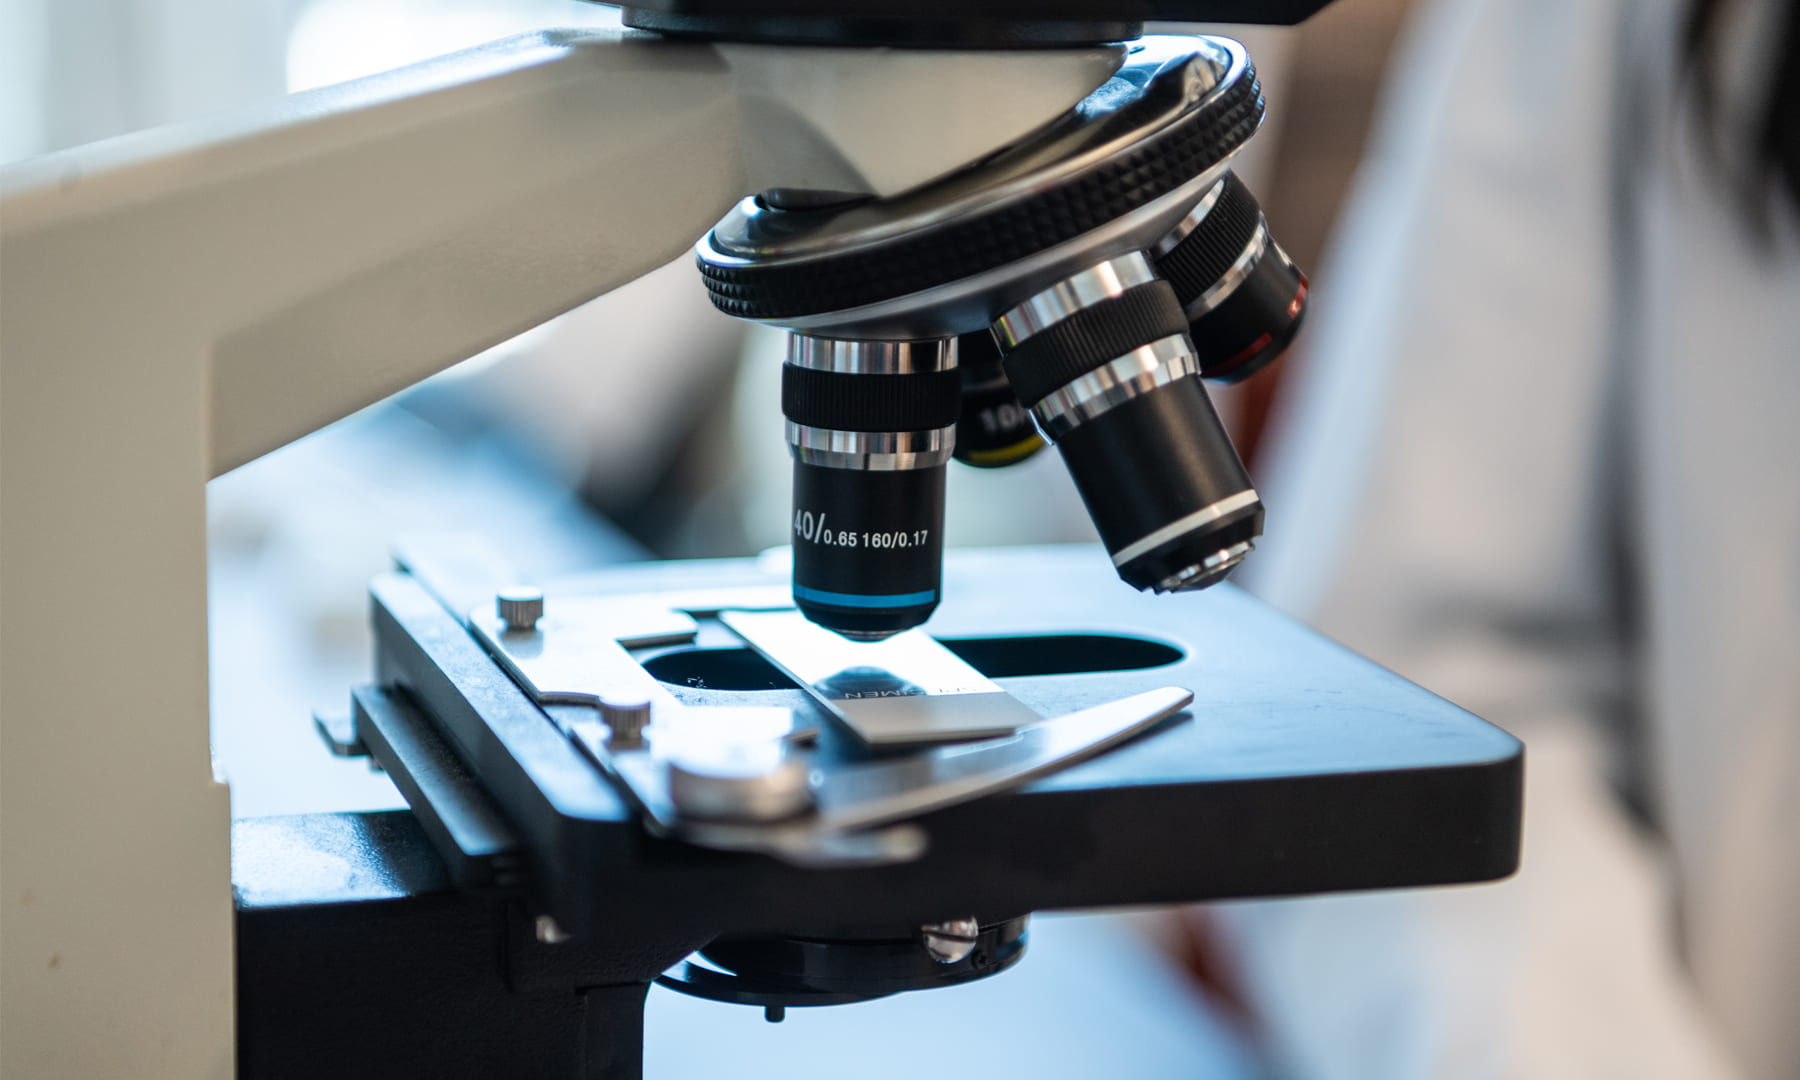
1298,768
523,894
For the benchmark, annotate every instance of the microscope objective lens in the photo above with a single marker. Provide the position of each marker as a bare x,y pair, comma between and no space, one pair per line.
1243,297
1105,364
995,430
870,426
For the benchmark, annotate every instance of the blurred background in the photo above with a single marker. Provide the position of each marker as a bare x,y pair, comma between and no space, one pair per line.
1489,464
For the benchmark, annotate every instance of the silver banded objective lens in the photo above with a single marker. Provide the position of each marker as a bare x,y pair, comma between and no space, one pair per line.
870,426
1243,297
1104,362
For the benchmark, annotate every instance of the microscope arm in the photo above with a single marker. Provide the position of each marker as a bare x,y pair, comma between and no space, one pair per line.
181,301
344,243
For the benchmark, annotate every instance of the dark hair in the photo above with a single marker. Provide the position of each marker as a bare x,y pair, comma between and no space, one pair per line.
1774,161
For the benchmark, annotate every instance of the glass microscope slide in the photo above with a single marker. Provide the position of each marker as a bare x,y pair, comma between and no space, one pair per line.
905,690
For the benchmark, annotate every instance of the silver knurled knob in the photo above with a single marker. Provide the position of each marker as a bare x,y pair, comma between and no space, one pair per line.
626,722
521,606
751,783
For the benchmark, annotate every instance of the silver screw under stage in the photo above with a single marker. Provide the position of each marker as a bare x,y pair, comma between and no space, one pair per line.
548,932
951,940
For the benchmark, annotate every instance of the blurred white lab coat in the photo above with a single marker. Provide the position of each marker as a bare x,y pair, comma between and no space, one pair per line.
1544,458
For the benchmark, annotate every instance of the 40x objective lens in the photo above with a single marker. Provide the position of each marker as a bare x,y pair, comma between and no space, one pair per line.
1104,362
870,426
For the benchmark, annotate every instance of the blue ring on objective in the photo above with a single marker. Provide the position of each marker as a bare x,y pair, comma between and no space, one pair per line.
820,596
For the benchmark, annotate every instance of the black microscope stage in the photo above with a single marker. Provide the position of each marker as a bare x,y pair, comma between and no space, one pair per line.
1298,768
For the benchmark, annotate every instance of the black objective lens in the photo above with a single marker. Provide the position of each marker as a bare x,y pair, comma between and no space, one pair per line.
870,425
1105,364
1243,297
995,430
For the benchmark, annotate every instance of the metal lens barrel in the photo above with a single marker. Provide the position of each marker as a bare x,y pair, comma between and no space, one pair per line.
1104,362
1243,297
870,425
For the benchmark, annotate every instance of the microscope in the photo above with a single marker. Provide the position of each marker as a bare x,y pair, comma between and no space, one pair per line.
816,781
